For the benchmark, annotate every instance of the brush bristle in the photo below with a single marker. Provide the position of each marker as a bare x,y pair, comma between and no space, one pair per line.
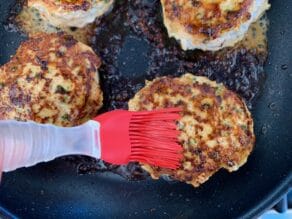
154,138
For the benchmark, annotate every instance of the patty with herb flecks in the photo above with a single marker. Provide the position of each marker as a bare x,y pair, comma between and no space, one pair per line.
51,79
72,13
216,126
210,24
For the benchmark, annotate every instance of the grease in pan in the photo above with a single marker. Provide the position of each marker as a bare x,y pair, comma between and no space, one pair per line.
215,65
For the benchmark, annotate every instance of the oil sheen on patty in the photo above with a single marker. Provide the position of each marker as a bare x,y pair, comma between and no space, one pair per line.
51,79
72,13
210,24
216,126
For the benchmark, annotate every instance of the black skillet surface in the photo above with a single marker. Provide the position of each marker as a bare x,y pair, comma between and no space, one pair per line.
54,190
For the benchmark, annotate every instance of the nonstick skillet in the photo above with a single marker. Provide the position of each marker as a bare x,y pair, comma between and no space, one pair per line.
55,190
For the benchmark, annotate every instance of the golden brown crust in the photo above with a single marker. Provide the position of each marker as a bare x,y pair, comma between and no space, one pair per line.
216,126
206,17
51,79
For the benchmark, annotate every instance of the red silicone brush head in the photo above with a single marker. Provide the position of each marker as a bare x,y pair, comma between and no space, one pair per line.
149,137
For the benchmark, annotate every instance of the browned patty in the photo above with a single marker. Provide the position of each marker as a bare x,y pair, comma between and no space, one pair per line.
206,17
216,126
71,13
210,24
52,79
68,5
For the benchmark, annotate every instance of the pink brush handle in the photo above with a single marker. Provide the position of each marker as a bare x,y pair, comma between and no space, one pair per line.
24,144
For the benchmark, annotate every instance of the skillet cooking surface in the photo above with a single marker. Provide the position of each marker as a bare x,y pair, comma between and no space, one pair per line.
55,190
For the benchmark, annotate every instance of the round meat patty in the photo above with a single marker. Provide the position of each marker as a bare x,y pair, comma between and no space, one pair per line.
216,126
72,13
210,24
52,79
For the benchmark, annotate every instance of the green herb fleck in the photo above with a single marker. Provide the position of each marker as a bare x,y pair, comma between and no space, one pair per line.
243,127
181,126
219,90
66,117
38,75
206,106
13,69
238,110
193,142
61,90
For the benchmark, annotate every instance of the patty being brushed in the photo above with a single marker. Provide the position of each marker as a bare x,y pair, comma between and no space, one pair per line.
216,126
